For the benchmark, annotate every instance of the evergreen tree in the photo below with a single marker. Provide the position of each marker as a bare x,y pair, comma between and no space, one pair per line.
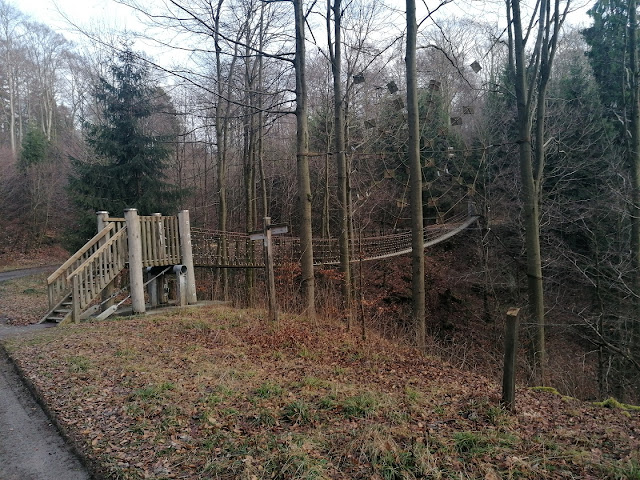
129,157
608,53
36,166
34,151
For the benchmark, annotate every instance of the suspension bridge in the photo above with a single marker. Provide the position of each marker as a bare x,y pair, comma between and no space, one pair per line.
241,252
155,244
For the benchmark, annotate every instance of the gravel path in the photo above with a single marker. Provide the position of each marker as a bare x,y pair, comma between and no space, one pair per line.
30,446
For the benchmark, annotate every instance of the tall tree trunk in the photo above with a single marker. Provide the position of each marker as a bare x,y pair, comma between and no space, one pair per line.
417,222
12,110
529,193
260,104
339,146
221,154
302,154
634,161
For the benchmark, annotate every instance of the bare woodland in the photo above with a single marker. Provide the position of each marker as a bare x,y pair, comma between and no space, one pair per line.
350,119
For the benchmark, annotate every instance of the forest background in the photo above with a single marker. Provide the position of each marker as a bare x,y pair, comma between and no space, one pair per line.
219,129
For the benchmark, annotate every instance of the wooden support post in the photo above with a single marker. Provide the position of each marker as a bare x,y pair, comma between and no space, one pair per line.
103,221
75,299
136,275
510,347
187,255
271,282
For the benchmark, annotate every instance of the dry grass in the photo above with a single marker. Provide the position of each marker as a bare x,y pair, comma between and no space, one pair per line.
23,301
221,393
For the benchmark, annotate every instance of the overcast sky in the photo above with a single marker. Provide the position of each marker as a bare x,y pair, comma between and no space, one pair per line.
116,17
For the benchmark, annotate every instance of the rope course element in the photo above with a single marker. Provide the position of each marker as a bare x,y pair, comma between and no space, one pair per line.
245,253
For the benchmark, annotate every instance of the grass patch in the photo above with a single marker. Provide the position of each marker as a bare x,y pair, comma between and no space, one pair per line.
268,390
470,443
78,364
363,406
297,413
152,392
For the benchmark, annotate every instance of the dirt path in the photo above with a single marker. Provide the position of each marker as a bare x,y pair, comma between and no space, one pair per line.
25,272
30,446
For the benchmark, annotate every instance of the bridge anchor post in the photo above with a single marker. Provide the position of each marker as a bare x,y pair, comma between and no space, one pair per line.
136,274
187,256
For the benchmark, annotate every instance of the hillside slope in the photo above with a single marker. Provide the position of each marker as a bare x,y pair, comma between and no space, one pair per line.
221,393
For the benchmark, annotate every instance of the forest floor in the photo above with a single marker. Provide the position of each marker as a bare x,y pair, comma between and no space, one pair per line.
215,392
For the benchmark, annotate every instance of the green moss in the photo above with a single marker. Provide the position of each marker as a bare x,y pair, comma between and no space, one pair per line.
545,390
615,404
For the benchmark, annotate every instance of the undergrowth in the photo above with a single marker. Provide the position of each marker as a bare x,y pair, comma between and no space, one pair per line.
220,393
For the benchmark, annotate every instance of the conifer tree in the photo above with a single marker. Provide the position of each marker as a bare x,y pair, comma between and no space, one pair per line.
129,154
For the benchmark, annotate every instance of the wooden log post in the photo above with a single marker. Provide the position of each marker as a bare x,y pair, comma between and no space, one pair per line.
136,275
187,255
271,283
510,348
107,301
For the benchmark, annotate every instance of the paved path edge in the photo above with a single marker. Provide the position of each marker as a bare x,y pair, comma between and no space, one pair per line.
95,472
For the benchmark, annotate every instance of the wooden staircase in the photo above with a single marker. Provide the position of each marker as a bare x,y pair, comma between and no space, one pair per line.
81,279
75,286
61,313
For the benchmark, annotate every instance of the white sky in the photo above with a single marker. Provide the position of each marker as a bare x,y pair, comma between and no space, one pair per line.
87,11
115,17
82,12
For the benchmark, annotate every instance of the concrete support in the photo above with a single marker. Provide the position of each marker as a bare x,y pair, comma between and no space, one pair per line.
187,255
181,284
136,274
152,289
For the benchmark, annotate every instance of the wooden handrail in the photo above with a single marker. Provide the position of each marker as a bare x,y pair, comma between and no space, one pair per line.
97,271
95,254
87,246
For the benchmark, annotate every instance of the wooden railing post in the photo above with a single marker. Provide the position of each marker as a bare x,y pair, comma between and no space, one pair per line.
75,299
103,222
187,255
136,275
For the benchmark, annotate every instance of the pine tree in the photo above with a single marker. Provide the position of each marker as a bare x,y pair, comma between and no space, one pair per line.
129,157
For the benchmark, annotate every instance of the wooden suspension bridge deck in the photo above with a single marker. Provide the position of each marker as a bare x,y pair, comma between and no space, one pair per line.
241,252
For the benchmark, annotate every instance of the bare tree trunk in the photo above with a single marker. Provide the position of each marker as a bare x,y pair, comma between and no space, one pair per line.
12,111
529,192
634,160
326,193
335,53
530,100
260,104
417,222
221,155
302,149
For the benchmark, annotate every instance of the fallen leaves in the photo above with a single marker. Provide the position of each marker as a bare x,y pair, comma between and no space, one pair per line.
212,393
